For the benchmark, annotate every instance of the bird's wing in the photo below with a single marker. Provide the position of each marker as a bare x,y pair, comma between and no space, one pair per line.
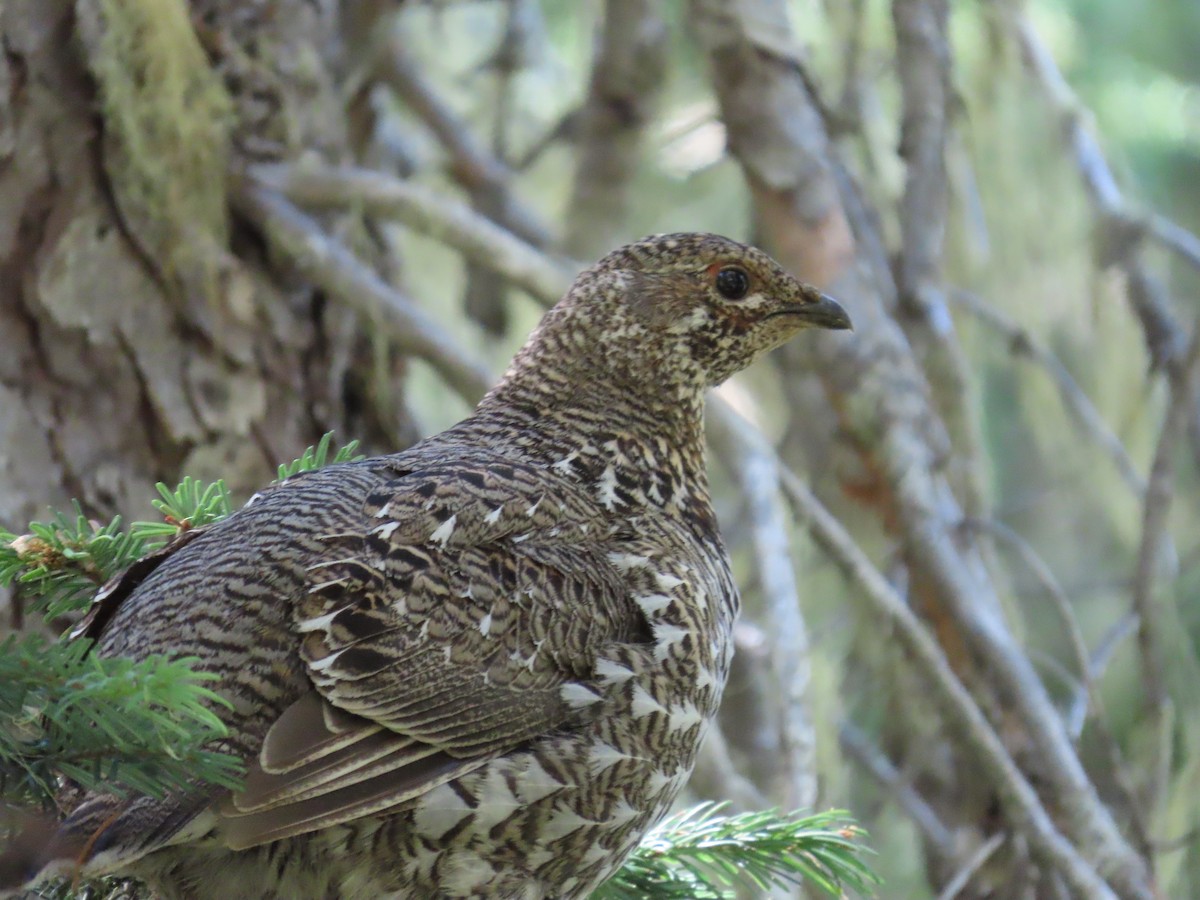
461,621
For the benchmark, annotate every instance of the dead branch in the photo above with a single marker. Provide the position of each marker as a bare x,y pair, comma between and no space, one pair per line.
752,464
855,744
329,264
972,865
1022,805
924,63
627,79
1083,413
426,211
1151,548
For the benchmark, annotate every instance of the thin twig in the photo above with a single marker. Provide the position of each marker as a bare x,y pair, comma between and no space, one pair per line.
855,743
1083,412
1165,340
1021,802
471,164
329,264
963,876
752,463
1058,599
1113,637
1175,237
1156,507
426,211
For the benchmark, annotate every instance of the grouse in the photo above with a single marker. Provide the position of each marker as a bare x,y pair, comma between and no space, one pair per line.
480,667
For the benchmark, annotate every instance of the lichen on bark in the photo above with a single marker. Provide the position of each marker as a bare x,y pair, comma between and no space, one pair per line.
167,119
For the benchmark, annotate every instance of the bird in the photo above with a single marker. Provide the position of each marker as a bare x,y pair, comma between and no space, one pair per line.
479,667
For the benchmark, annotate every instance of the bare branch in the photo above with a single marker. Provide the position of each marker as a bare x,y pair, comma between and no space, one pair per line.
486,179
752,463
1058,599
1157,505
858,747
805,202
426,211
1021,342
924,66
627,78
328,263
963,876
1175,237
471,164
1164,338
1021,803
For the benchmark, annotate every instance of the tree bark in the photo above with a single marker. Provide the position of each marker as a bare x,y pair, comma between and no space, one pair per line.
141,339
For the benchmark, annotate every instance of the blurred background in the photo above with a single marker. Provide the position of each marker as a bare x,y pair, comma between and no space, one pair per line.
227,228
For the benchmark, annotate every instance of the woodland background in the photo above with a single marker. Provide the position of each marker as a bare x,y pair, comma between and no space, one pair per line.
228,227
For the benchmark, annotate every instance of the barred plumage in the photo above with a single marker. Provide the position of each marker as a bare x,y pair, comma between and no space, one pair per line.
480,667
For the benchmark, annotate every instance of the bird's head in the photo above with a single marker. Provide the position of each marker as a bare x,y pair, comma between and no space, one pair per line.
681,309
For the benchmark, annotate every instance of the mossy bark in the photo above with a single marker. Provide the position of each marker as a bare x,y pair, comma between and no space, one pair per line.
145,333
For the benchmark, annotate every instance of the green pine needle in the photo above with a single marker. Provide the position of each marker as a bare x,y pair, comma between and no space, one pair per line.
700,855
191,504
108,723
62,562
317,457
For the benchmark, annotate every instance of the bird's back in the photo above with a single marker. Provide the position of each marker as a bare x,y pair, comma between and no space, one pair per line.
589,643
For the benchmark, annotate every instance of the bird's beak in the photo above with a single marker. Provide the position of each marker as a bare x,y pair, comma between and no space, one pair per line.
824,312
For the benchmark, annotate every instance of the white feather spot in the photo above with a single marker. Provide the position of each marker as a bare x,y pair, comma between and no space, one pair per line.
465,874
384,511
496,800
627,561
612,672
606,487
652,604
535,783
386,530
577,696
494,516
666,581
603,756
622,813
667,636
683,717
485,624
321,665
533,507
644,704
442,533
562,822
658,781
595,853
705,678
564,464
317,588
318,623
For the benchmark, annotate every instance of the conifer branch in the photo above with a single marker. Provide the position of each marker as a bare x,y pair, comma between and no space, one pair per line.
698,854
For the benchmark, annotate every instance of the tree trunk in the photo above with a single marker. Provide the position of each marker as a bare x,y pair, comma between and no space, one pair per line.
143,333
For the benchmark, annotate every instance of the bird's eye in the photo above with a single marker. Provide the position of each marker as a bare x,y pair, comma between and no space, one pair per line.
733,283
